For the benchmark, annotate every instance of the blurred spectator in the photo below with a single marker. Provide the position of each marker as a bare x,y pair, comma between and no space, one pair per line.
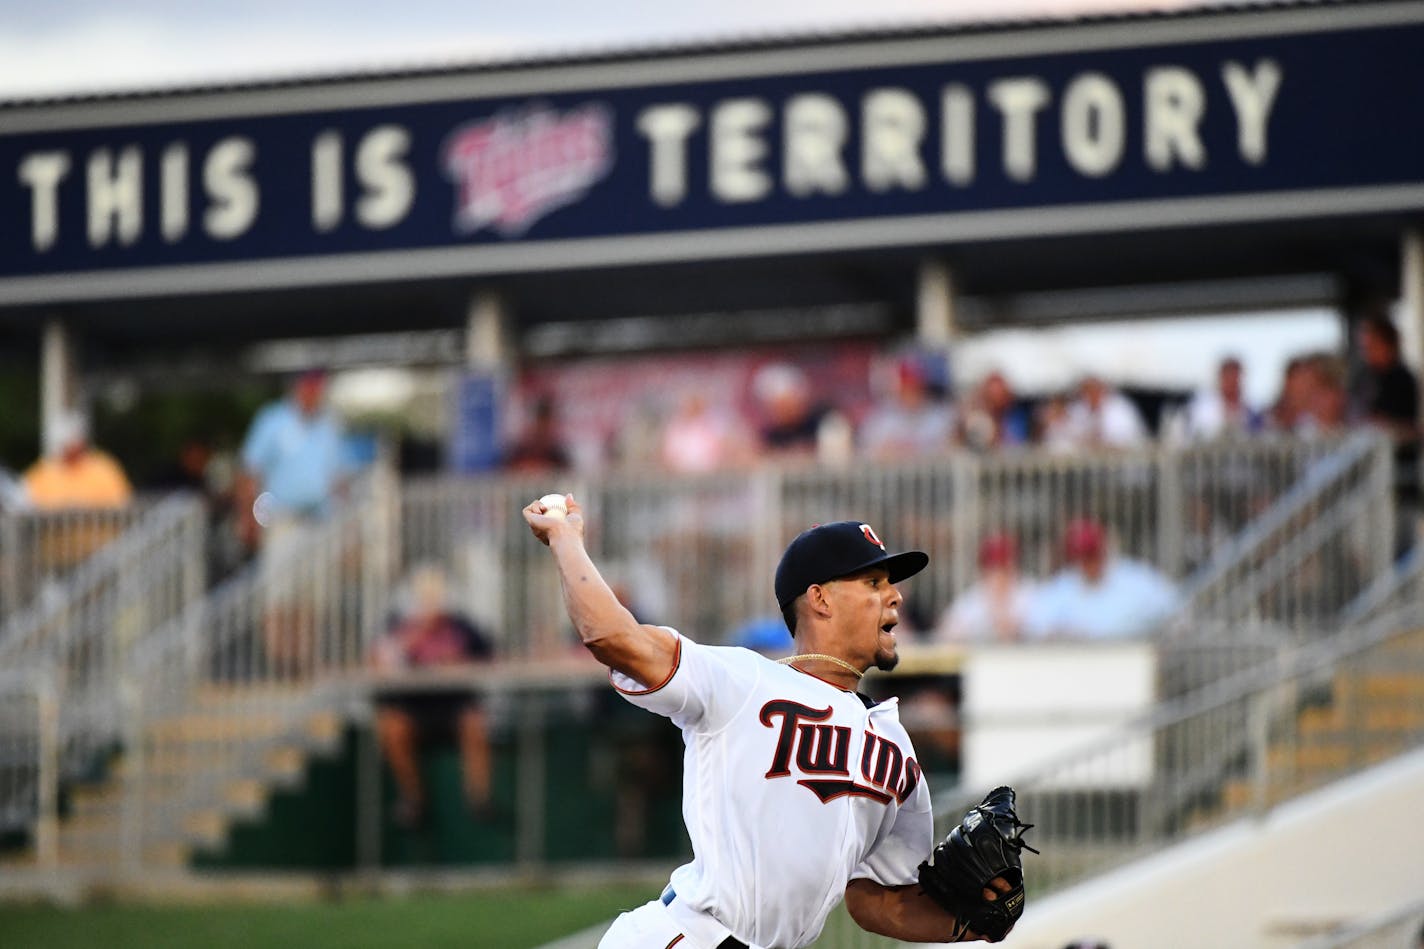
700,438
767,635
1326,400
995,607
12,491
1384,392
73,473
1087,944
408,717
1292,404
293,456
541,447
200,468
911,421
1222,411
1051,425
189,470
1098,596
294,466
993,417
1102,417
790,418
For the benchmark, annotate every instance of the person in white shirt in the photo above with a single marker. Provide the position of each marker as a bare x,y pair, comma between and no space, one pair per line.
995,607
798,791
1222,411
1103,418
1099,596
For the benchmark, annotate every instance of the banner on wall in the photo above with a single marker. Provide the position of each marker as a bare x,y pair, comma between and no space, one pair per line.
1075,129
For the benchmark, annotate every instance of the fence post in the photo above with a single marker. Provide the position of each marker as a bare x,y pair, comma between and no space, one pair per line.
529,851
1383,488
368,793
1258,730
132,816
965,475
47,780
9,565
1168,460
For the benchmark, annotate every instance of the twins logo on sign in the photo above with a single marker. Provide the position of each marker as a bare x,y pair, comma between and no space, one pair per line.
514,168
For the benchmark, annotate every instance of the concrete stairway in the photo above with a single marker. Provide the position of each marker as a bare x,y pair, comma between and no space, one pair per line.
1372,710
200,770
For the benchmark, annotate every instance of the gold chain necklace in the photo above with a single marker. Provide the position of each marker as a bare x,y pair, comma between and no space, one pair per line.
820,655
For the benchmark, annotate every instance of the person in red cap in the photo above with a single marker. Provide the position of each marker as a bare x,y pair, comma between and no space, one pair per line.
798,791
1099,595
994,608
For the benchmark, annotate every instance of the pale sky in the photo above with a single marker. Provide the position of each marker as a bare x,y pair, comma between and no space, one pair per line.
60,47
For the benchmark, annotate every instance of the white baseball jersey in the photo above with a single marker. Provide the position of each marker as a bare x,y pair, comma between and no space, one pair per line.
791,789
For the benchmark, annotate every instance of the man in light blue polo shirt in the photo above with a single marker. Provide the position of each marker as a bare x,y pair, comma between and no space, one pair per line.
294,452
294,465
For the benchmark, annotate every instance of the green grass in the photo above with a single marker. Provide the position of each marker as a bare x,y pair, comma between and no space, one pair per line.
504,919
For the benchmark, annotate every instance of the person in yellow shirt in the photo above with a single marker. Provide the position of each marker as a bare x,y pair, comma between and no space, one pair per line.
75,474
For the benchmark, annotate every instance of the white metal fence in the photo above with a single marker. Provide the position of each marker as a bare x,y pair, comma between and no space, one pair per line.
40,549
81,633
1308,552
1266,531
207,695
1236,746
238,687
29,783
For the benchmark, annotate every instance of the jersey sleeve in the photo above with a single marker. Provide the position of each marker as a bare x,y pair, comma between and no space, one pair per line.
706,687
896,860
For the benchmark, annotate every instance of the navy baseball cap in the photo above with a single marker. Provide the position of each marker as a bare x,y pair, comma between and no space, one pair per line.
829,551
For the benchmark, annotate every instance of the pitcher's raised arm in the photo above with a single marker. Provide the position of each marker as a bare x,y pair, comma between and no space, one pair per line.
645,654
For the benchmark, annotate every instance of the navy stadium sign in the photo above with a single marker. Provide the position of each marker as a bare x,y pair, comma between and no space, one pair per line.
824,147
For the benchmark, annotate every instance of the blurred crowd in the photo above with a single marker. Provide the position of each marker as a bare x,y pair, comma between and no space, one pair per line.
908,410
912,412
892,406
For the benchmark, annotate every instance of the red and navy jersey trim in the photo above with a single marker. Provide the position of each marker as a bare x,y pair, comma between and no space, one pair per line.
676,662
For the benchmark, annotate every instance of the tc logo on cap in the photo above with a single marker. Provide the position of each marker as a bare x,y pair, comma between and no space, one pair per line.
869,533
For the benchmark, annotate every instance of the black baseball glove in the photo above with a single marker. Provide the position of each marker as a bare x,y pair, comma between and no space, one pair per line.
986,844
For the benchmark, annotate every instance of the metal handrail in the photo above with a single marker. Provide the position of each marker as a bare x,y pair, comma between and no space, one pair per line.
168,514
1403,922
29,793
1241,716
1275,524
184,674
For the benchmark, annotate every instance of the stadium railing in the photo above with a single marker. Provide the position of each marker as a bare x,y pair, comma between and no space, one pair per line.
1234,747
1311,551
29,757
80,632
1268,531
39,549
211,709
1398,928
240,686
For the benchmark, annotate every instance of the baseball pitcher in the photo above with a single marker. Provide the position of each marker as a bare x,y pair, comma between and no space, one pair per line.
798,791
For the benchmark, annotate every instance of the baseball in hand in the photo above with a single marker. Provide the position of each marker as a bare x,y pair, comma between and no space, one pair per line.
555,505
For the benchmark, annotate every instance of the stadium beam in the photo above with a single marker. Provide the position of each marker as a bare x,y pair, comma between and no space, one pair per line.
487,343
58,377
1411,298
935,322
